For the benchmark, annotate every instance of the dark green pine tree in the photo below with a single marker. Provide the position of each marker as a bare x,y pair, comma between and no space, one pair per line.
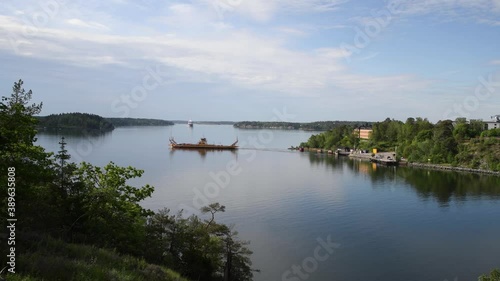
17,149
65,171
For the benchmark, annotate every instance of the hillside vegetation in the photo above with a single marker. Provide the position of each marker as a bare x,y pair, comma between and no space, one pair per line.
121,122
93,123
97,208
75,121
45,258
459,143
312,126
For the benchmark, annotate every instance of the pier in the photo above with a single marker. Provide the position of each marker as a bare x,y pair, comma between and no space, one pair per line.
385,158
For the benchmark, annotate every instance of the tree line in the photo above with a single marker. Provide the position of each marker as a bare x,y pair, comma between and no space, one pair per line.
461,142
311,126
93,123
75,121
87,204
122,122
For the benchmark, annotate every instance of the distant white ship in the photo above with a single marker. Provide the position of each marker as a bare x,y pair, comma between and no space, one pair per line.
190,123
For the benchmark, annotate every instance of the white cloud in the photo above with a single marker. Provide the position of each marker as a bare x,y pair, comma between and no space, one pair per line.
482,11
81,23
195,45
240,58
258,10
311,5
489,22
291,31
496,5
265,10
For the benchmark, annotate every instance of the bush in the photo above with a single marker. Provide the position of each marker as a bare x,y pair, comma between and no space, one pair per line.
493,276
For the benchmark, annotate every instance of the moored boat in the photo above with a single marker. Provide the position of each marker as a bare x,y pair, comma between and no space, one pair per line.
190,123
343,152
202,144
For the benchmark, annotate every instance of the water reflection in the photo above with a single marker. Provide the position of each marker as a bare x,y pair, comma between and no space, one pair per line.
317,159
444,186
202,152
73,132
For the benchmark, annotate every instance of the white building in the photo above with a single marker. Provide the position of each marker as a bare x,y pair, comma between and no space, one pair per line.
494,123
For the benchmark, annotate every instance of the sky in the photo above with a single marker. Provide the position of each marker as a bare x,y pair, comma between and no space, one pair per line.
262,60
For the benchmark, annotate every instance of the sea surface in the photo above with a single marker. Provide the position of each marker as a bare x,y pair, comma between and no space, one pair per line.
311,216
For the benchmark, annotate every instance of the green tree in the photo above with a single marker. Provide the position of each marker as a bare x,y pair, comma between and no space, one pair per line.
17,130
17,126
213,209
112,216
493,276
445,146
237,264
476,127
67,193
199,249
32,164
461,130
409,130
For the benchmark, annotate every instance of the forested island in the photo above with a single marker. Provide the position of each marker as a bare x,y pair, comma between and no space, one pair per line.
463,143
93,123
123,122
311,126
75,121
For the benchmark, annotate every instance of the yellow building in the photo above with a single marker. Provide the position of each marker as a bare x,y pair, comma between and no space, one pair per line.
363,134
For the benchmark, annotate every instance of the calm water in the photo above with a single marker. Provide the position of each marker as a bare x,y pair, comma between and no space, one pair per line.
384,223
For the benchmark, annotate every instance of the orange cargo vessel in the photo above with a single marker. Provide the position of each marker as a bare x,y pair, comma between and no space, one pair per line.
202,144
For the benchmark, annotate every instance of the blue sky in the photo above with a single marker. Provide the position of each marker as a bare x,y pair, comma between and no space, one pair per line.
245,60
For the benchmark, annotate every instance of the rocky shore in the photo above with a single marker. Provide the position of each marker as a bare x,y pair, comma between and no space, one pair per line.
451,168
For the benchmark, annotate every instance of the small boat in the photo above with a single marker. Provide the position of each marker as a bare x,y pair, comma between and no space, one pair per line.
190,123
202,144
343,152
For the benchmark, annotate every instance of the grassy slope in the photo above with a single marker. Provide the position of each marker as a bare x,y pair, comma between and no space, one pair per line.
482,153
49,259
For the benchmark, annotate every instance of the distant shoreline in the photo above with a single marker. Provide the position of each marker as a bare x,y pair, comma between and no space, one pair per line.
319,126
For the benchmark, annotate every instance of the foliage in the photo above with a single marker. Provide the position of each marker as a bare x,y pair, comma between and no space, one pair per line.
493,276
31,163
76,121
200,250
119,122
109,208
312,126
480,153
45,258
341,136
491,133
97,206
460,142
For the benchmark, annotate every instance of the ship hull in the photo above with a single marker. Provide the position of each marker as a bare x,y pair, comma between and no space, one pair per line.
206,146
202,144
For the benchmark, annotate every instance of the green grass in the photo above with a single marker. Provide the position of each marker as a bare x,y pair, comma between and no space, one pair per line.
53,260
